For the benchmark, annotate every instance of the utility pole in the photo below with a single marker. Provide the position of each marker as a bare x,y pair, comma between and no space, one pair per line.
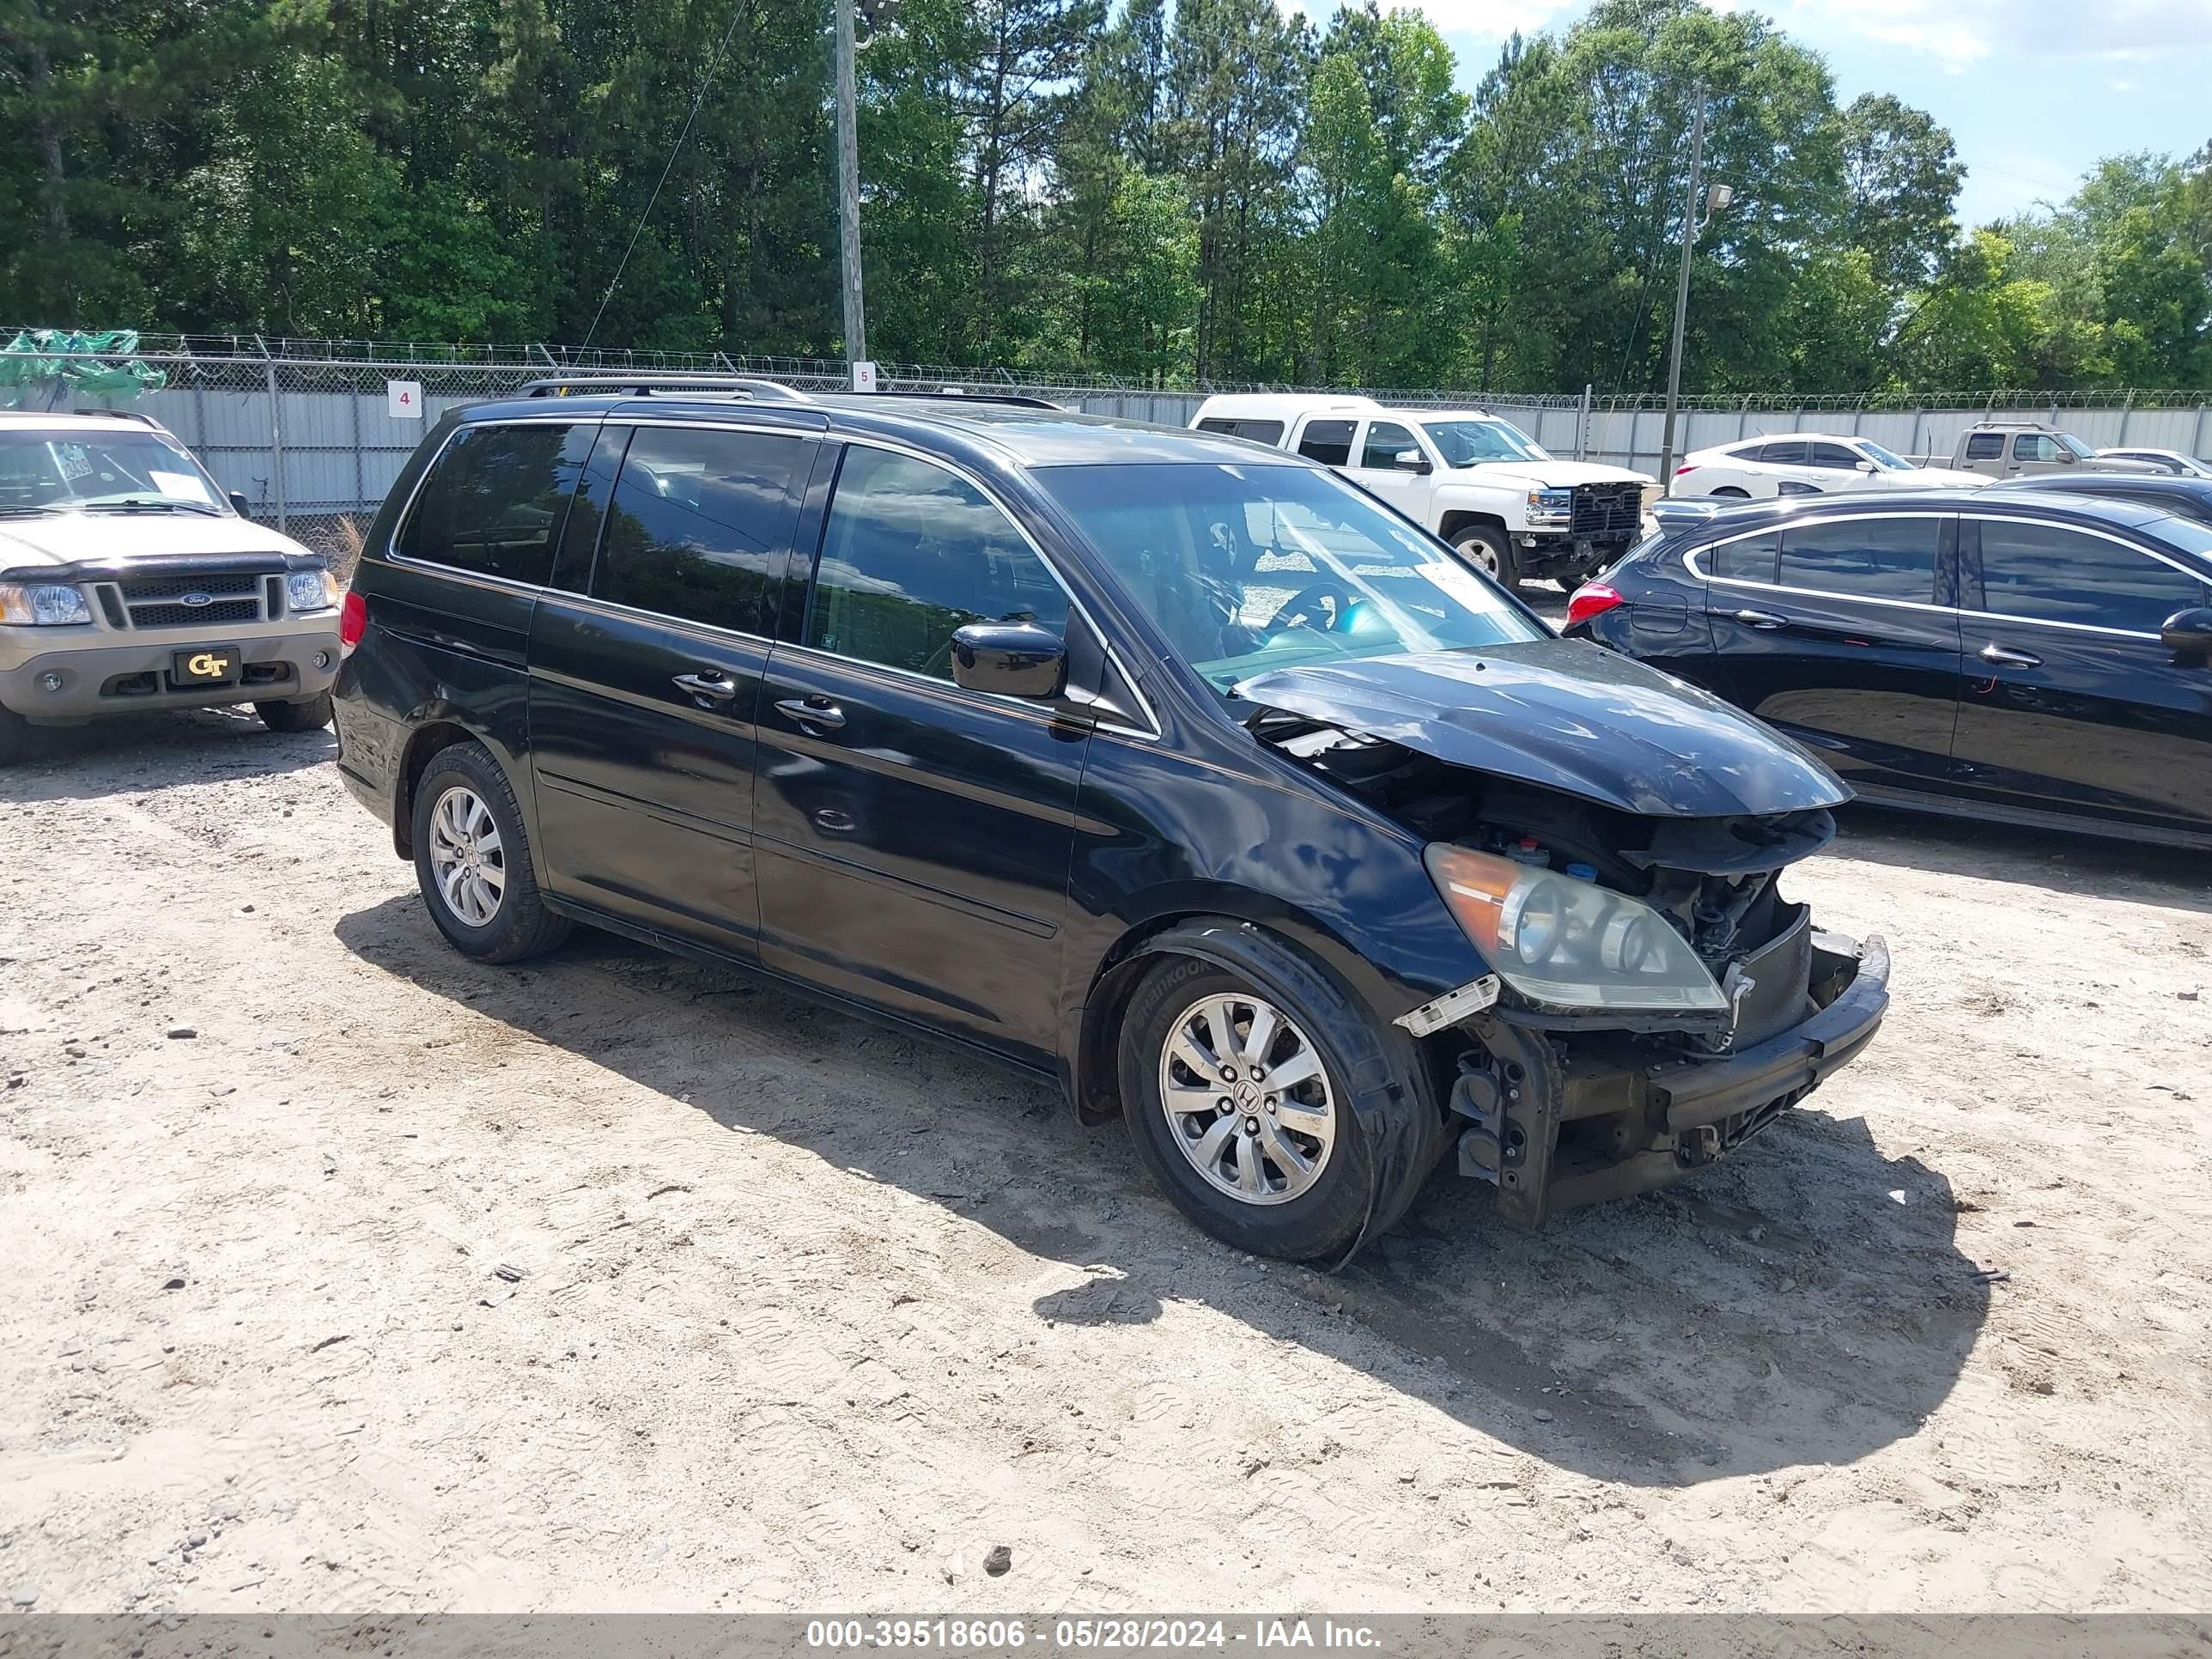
848,196
1690,229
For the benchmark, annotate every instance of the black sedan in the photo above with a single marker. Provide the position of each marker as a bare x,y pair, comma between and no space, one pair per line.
2028,654
2185,498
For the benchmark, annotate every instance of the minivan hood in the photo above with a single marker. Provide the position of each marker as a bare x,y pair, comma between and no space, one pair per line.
1566,715
105,537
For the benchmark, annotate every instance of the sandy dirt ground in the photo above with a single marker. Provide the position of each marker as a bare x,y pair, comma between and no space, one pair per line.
343,1274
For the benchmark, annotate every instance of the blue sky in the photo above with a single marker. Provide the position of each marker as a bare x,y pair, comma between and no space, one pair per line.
2033,91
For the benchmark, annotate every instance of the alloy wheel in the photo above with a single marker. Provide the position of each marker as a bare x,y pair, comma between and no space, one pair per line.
1246,1098
1484,555
466,856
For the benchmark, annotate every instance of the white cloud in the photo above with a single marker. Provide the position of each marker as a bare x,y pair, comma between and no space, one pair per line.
1961,34
1491,20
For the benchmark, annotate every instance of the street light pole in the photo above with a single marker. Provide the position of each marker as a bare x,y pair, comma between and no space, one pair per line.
848,192
1690,227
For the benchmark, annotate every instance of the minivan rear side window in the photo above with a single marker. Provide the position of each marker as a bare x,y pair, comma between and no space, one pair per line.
1328,442
910,553
1874,558
495,498
699,525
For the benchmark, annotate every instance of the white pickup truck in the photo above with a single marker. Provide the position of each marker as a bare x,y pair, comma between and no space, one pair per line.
1481,483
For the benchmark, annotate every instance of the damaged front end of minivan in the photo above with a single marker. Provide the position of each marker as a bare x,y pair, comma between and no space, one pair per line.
1612,844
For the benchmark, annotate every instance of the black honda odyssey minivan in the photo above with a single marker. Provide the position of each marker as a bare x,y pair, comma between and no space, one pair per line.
1169,766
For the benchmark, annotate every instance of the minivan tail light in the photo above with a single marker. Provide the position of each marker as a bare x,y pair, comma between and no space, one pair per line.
1591,600
353,621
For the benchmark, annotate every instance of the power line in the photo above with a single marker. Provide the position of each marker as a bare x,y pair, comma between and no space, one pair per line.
706,80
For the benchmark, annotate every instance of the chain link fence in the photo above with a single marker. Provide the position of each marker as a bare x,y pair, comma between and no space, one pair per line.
305,431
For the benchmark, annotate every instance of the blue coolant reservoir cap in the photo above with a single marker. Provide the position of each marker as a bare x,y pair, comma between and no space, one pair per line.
1583,872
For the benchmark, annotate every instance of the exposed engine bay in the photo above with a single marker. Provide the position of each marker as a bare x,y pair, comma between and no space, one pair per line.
1715,881
1556,1096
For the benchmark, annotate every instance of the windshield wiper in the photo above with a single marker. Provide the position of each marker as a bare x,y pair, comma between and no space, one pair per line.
28,510
140,504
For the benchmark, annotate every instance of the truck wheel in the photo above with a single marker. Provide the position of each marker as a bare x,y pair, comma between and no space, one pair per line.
15,737
1493,551
472,861
304,716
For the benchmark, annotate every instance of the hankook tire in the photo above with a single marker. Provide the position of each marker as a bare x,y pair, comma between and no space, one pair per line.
1282,1171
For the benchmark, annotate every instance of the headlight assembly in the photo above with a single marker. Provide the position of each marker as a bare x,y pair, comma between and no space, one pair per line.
1569,943
310,590
43,605
1551,506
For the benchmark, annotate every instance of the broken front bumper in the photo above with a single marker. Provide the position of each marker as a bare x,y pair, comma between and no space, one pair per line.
1561,1118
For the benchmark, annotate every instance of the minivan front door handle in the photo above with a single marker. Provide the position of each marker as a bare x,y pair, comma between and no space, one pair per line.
710,685
1760,619
816,711
2007,658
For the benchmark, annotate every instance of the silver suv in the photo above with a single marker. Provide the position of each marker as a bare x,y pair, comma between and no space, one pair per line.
128,582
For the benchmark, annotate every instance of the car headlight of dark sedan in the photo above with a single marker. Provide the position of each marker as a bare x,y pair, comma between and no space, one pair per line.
1570,943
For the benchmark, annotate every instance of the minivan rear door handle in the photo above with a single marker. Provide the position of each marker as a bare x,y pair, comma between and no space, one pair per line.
709,685
815,711
1760,619
2004,656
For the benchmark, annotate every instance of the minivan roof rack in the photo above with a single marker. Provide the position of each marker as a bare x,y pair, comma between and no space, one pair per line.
120,415
955,394
645,385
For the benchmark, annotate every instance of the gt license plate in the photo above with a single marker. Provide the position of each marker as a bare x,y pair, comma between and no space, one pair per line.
211,665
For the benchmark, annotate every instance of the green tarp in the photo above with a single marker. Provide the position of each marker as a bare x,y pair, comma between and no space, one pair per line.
79,363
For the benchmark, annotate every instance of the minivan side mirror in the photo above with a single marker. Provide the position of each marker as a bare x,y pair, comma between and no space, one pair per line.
240,505
1410,460
2189,636
1866,466
1015,660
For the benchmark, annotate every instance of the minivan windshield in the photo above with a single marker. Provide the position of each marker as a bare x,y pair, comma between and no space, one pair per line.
1248,568
1471,442
73,469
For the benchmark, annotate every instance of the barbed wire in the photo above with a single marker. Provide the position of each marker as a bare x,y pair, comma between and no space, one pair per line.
195,356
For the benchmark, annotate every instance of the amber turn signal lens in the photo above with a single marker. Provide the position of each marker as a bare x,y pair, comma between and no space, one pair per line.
1474,886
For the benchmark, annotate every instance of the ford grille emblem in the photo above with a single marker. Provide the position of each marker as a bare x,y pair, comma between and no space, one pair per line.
196,598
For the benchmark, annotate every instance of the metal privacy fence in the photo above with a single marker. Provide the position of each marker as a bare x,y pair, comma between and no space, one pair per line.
306,430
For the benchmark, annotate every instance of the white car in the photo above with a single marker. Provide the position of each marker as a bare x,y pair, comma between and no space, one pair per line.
2172,462
1805,464
1480,483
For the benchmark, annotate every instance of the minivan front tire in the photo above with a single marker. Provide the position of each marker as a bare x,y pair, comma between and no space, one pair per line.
1234,1171
472,861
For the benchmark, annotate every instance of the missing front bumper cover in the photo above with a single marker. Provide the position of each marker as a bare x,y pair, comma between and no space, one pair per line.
1630,1128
